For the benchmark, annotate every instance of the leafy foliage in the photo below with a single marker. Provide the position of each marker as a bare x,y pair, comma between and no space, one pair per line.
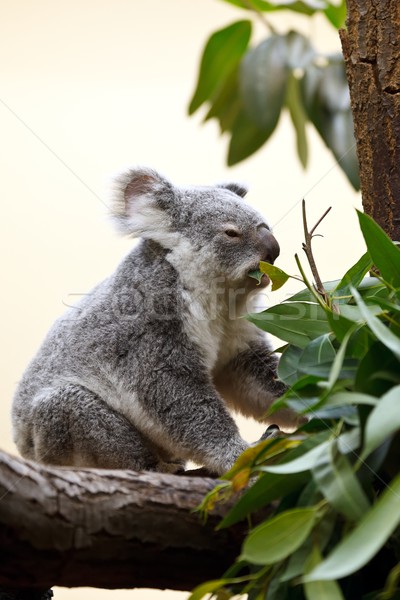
333,488
246,88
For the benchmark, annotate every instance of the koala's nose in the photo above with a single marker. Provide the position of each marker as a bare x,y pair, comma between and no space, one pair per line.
268,245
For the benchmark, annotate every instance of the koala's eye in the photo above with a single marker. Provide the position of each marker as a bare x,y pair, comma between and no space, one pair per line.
232,233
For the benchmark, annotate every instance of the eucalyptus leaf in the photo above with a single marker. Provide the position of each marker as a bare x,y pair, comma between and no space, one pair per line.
384,253
278,537
339,359
226,104
295,322
306,295
365,540
269,487
382,332
377,371
299,50
317,356
327,103
336,14
298,560
338,483
257,275
210,587
288,364
318,590
263,79
222,52
246,138
340,325
383,421
302,463
344,398
299,118
353,277
276,275
307,7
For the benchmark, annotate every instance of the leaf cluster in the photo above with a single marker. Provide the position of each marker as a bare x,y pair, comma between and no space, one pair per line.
332,489
246,88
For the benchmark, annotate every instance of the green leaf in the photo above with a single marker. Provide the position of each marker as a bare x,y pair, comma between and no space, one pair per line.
263,78
246,138
338,483
340,325
298,560
222,52
278,537
210,587
381,331
299,118
226,104
317,357
295,322
299,51
353,277
307,296
266,489
383,421
302,463
270,487
276,275
307,7
378,370
257,275
288,364
326,100
339,359
320,590
343,398
384,253
365,540
336,14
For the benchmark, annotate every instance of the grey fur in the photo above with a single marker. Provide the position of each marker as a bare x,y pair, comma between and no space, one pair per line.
139,374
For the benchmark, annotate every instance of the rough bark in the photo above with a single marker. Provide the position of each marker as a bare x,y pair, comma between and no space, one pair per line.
371,48
110,529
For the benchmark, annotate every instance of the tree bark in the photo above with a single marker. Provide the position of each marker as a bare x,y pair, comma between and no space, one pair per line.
371,49
109,529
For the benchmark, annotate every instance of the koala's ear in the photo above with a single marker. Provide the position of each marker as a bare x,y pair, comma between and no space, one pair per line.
236,188
140,198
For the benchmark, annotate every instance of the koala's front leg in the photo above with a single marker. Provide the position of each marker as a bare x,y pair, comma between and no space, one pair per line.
192,419
249,383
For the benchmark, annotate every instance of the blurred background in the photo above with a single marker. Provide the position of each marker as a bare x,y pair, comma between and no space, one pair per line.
90,87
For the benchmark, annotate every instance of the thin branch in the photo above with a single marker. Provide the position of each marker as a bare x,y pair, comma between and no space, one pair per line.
308,236
250,6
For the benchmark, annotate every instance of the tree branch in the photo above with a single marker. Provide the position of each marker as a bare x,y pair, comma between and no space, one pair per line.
110,529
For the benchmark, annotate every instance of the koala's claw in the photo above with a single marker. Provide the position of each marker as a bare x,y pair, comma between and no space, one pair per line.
271,432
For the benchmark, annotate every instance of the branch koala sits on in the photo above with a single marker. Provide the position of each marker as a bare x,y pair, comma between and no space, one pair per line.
140,373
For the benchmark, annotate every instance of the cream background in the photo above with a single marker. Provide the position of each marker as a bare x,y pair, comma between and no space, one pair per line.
88,87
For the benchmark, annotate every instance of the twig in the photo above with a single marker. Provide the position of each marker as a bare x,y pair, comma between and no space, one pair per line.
259,15
308,236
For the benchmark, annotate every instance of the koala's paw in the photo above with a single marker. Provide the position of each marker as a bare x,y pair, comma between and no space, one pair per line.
271,432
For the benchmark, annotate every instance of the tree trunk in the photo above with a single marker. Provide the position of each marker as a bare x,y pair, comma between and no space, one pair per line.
371,49
109,529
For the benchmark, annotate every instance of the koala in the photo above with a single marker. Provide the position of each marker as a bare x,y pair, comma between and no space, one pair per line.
143,372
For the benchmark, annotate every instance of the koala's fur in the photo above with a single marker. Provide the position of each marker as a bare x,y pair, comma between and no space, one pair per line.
139,374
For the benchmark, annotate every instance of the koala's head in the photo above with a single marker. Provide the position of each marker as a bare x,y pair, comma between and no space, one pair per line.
206,228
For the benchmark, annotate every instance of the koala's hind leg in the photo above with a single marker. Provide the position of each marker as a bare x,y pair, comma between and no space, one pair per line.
72,426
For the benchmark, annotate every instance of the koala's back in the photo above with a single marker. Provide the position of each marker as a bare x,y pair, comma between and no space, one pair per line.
95,342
